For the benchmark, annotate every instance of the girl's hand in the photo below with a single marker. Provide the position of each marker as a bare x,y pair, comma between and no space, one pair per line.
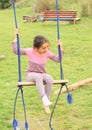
60,43
15,34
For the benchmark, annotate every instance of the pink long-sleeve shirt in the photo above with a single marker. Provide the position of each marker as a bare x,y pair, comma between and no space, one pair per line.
36,62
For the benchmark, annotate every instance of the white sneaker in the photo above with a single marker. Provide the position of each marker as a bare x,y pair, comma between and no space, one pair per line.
46,101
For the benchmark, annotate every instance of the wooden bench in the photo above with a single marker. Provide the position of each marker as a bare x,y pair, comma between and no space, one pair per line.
63,15
33,83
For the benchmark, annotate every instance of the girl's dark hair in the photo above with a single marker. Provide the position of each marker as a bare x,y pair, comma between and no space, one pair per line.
39,40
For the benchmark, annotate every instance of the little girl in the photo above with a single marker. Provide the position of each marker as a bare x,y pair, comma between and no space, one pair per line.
37,57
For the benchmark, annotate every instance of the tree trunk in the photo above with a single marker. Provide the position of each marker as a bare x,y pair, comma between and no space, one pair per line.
76,85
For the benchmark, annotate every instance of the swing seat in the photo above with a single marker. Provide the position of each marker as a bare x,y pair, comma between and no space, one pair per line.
33,83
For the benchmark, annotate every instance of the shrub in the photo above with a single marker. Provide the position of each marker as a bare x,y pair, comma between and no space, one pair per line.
5,4
41,5
86,7
90,7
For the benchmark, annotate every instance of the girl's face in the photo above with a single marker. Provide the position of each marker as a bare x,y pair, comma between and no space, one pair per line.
43,49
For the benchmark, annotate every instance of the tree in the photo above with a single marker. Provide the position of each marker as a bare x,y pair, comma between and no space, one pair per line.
5,4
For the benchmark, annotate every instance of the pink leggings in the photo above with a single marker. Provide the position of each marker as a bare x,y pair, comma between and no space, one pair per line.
40,78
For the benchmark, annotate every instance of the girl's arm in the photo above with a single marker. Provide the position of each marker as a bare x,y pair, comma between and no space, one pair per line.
14,44
56,58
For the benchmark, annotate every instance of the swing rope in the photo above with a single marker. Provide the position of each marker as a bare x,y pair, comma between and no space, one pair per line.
69,96
18,42
15,122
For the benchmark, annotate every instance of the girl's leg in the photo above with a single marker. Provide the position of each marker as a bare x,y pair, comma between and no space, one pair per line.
37,77
49,82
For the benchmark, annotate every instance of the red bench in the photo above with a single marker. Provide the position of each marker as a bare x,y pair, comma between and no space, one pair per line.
63,15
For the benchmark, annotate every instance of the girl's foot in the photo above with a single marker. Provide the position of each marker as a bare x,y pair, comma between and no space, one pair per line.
46,101
47,109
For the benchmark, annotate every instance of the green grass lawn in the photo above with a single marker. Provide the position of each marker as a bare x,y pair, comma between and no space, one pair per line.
77,65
